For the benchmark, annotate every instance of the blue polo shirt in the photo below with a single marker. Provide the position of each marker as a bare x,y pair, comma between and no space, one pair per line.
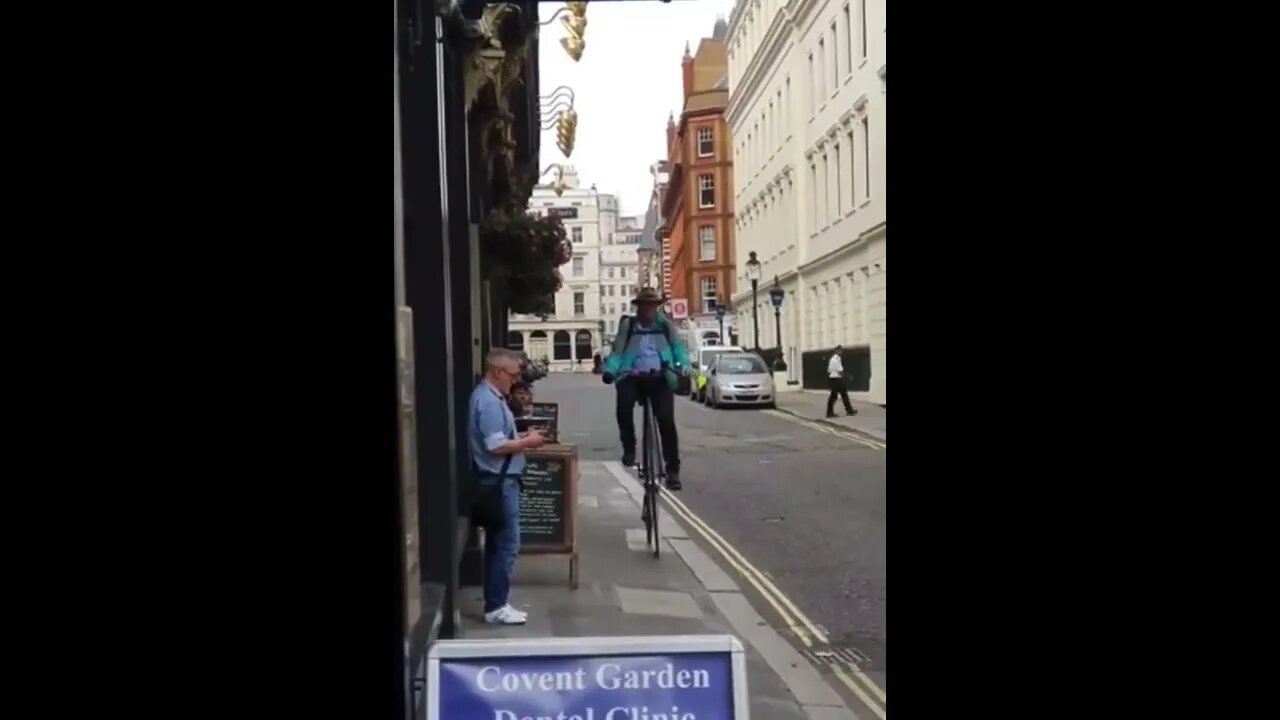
491,424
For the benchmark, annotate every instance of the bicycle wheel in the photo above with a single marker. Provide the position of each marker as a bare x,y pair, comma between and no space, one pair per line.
659,472
647,480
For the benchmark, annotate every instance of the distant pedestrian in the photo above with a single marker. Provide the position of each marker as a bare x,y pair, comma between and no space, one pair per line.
497,459
835,376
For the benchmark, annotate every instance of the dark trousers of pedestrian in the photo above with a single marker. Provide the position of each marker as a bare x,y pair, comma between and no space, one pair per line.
501,543
659,393
838,389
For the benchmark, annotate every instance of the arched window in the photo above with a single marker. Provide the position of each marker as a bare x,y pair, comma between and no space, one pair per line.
562,347
515,340
538,345
583,342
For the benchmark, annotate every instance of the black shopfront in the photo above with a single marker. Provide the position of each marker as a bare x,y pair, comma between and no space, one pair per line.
467,142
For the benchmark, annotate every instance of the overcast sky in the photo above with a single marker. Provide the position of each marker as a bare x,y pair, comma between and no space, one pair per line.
625,85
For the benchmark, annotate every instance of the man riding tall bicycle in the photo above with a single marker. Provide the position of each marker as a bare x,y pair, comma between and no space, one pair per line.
646,358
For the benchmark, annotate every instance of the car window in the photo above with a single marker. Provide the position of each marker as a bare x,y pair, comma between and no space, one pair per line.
740,365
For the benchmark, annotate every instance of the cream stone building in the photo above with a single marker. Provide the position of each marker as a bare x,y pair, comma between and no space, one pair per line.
575,331
807,113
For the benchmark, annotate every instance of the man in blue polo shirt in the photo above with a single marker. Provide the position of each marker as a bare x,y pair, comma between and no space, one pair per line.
497,458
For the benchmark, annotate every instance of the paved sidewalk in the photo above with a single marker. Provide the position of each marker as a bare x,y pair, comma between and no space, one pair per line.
812,405
625,591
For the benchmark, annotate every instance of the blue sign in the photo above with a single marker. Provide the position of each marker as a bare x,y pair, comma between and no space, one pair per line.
697,677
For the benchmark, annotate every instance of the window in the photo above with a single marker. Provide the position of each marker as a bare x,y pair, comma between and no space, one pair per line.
780,123
705,147
866,158
862,22
706,191
835,57
708,294
839,185
562,345
578,266
706,243
610,272
625,290
813,193
787,125
771,129
853,170
579,304
624,272
577,234
822,69
826,191
813,104
848,37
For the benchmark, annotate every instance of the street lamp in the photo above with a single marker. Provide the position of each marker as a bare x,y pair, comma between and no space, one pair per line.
753,274
776,296
720,317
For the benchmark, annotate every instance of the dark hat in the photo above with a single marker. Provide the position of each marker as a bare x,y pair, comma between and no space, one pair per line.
648,295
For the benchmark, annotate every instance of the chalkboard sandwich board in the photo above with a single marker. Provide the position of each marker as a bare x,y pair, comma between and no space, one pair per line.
549,504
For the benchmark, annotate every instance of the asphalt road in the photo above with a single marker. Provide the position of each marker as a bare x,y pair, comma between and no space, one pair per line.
804,506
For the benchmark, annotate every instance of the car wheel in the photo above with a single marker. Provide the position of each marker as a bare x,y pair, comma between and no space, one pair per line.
771,406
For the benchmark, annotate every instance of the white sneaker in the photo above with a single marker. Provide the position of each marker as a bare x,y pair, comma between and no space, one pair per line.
506,615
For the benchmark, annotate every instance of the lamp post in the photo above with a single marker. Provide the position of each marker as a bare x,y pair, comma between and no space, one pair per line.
776,296
753,274
720,317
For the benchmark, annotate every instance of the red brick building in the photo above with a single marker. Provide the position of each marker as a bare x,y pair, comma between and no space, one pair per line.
698,234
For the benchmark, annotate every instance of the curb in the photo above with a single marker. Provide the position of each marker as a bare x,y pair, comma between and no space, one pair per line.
860,433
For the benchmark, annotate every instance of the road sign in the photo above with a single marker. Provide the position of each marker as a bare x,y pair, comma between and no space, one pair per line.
604,678
679,309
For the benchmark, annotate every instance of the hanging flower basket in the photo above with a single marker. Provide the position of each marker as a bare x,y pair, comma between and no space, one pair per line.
523,254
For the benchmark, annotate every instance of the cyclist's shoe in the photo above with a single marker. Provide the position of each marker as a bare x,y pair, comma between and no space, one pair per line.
628,459
673,480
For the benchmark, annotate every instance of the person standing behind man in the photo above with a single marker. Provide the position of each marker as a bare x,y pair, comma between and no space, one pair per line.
497,458
835,376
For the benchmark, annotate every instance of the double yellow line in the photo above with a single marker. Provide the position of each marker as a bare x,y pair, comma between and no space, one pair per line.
828,429
857,681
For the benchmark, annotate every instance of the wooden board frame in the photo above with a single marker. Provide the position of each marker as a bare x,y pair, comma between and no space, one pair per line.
569,455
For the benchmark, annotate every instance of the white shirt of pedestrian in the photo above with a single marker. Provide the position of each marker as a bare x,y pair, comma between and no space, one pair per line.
835,366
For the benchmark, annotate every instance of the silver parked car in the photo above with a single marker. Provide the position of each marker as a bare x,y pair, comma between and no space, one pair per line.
740,379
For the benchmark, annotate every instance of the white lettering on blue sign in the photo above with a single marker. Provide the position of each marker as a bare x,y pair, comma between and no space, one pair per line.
676,686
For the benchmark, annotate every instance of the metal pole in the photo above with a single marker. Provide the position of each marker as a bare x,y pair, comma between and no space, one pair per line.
755,311
722,342
777,319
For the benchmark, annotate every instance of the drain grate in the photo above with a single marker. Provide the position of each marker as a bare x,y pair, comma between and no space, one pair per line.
837,656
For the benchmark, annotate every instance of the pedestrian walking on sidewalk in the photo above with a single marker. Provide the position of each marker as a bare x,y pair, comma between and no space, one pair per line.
497,461
835,376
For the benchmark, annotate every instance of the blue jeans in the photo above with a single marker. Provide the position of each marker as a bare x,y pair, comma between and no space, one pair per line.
501,549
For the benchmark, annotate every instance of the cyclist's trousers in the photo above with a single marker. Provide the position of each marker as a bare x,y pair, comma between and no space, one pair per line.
656,390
